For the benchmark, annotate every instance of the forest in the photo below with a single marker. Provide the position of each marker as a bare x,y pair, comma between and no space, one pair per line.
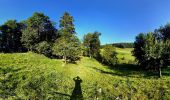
41,62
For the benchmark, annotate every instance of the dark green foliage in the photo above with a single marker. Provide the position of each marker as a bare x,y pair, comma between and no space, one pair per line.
163,32
138,48
66,24
109,55
91,43
38,28
29,38
10,34
68,48
44,48
166,53
1,42
150,52
124,45
67,45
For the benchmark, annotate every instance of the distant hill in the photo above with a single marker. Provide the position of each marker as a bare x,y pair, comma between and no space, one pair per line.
123,45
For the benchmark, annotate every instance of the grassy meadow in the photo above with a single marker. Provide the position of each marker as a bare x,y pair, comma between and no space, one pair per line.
122,82
125,55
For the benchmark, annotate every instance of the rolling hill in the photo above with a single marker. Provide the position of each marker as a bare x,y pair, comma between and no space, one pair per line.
29,75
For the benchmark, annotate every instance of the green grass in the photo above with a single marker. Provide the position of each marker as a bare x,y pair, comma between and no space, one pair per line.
125,55
119,82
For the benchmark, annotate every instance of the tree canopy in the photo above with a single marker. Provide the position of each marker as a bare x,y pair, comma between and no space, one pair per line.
91,42
38,28
10,36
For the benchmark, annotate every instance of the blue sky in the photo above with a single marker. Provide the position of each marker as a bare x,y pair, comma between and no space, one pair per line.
117,20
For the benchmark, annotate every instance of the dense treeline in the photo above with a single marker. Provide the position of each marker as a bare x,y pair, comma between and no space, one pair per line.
124,45
39,34
10,35
152,50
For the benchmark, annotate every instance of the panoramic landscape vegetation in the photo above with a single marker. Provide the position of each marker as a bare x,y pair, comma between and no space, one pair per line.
42,59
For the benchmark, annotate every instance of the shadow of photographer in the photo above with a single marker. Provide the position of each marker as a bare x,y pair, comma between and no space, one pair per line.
77,92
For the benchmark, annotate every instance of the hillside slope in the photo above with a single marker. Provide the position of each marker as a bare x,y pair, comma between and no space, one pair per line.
125,55
97,79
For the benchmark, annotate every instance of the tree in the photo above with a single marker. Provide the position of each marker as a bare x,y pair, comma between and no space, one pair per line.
38,28
109,55
138,51
153,53
166,53
164,32
1,42
68,48
91,42
29,38
149,52
66,24
67,45
10,36
44,48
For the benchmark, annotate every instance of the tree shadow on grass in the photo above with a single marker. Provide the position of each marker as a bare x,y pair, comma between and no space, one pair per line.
166,71
130,70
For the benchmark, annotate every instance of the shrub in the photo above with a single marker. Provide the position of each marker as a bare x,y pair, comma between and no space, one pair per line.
43,48
109,55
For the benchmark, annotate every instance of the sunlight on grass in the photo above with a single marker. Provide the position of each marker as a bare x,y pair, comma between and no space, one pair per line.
114,83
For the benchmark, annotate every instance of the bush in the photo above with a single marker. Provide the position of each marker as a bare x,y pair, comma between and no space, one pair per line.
43,48
109,55
69,48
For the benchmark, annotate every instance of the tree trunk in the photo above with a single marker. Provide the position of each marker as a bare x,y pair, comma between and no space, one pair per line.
89,53
160,73
65,59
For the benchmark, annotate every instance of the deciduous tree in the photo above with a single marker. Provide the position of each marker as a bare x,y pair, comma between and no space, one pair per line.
91,42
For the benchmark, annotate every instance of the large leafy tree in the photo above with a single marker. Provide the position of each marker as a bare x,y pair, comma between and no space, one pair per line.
164,32
91,42
68,48
67,45
10,36
38,28
153,53
29,38
149,52
166,53
1,41
138,51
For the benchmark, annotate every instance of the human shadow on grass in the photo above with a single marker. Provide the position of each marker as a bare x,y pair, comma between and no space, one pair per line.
77,92
130,70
